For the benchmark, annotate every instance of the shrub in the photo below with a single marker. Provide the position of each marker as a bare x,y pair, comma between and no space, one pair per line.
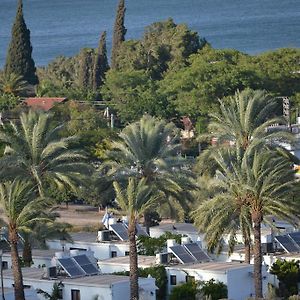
185,291
215,289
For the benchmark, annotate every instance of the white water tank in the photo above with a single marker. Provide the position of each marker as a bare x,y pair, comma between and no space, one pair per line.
74,252
185,240
60,254
162,258
125,219
112,221
170,243
103,236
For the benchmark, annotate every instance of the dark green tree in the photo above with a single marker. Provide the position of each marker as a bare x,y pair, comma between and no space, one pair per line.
101,64
119,33
19,60
288,274
85,71
214,289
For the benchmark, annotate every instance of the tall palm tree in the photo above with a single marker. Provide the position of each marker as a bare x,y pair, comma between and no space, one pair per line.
21,207
150,149
13,84
243,125
257,185
134,201
34,149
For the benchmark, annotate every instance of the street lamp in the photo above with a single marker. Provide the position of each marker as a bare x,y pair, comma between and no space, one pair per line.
63,242
2,286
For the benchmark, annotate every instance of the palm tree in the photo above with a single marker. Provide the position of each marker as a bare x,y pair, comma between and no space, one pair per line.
243,121
242,125
56,291
21,207
134,201
40,232
257,185
13,84
150,149
34,149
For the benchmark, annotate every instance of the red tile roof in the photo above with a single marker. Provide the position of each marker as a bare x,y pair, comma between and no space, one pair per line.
43,103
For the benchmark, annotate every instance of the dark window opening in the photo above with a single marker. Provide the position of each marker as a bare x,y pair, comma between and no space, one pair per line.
173,280
75,295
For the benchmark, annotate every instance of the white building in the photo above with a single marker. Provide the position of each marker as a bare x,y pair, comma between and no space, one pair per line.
41,258
101,287
237,276
186,229
30,294
88,241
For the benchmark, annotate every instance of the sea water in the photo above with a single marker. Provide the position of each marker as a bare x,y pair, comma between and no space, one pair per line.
63,27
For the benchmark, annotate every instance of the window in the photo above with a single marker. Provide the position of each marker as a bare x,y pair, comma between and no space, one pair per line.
126,253
190,278
80,249
4,265
75,295
60,294
173,279
113,254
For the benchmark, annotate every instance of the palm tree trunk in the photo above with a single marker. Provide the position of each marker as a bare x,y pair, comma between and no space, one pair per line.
257,258
134,286
147,222
27,253
18,278
247,252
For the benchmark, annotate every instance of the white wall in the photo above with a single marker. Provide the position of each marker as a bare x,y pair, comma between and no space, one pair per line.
117,291
239,281
37,261
101,250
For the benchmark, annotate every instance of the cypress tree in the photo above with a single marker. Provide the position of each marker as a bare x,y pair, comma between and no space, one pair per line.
101,64
19,60
119,33
85,72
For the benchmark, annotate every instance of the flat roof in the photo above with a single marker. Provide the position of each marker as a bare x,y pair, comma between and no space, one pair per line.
143,260
176,227
95,280
214,266
90,237
41,253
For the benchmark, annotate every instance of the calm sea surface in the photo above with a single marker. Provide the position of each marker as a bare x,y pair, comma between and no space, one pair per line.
62,27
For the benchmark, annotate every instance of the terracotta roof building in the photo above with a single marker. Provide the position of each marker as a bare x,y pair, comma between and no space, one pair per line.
43,103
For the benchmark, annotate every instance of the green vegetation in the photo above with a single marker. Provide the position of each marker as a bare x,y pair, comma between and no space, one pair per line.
21,207
160,275
214,289
153,82
150,246
101,64
210,290
19,60
288,274
119,33
134,202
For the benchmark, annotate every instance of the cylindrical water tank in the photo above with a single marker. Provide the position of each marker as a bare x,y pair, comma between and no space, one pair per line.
74,252
185,240
59,254
112,221
170,243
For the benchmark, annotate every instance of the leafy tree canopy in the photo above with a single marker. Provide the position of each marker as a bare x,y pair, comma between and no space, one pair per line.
164,45
133,94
